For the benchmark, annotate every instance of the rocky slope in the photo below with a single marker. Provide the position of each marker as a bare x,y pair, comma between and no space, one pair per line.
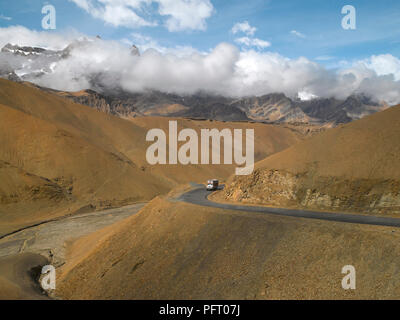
271,108
115,106
353,108
274,107
353,167
28,63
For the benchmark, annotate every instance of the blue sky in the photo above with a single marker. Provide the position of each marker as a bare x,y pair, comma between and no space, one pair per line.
318,23
228,47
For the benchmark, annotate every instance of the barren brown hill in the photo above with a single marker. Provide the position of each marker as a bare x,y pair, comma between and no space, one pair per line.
59,157
354,167
66,144
173,250
22,193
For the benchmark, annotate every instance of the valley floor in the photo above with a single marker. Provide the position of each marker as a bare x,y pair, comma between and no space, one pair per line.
47,243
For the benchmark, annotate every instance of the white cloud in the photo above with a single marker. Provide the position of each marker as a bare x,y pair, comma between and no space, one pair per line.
306,96
179,14
3,17
253,42
116,12
384,64
184,75
144,42
185,14
223,70
22,36
244,27
298,34
248,40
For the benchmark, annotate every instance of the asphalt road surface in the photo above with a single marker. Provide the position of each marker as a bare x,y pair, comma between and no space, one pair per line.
199,196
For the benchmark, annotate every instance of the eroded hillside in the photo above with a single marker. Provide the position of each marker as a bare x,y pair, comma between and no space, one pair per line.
354,167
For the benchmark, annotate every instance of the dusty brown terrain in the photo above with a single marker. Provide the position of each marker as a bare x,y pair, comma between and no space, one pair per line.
49,239
18,277
354,167
58,158
24,253
172,250
65,145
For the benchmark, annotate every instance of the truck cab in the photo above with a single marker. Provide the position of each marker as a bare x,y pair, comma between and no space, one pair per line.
212,185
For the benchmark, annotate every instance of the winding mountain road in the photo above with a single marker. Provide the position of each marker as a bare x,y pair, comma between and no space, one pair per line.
199,196
49,238
32,246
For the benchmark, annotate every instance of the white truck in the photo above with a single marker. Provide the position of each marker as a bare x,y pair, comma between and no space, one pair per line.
212,185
